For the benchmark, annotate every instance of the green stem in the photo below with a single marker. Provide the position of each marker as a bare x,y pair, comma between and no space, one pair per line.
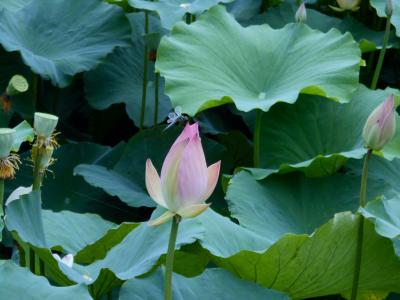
169,264
156,82
360,230
1,198
36,264
37,174
381,55
145,67
256,138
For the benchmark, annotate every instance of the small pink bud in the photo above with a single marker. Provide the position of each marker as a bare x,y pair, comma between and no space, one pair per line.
301,14
186,182
380,126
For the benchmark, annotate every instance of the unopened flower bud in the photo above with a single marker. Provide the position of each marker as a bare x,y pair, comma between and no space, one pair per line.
17,85
45,124
301,14
7,137
185,182
380,126
389,8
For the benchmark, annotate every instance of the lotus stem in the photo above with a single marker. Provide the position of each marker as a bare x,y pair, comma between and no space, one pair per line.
37,173
360,230
156,82
169,264
381,55
256,138
145,67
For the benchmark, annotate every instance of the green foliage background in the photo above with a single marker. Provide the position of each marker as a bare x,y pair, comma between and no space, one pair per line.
282,228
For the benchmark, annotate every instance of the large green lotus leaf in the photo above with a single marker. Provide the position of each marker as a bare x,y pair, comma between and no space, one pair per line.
115,184
23,219
317,136
386,215
63,191
126,178
23,133
19,283
119,79
142,248
23,216
244,10
56,46
292,203
368,39
136,254
212,284
14,5
203,60
380,169
172,11
321,264
379,5
73,231
99,249
87,236
292,261
224,237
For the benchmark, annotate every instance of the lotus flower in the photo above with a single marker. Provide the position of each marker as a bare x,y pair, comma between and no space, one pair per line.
352,5
186,182
380,126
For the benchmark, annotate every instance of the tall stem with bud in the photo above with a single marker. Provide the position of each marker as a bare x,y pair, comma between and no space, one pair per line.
378,130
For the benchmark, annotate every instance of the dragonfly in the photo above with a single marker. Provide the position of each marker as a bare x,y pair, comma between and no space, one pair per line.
175,117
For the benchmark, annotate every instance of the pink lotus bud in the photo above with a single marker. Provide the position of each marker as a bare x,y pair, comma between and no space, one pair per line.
301,14
381,125
186,182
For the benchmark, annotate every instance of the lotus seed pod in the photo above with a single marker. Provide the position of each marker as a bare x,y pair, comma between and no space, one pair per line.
45,124
301,14
389,8
7,137
380,126
17,85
